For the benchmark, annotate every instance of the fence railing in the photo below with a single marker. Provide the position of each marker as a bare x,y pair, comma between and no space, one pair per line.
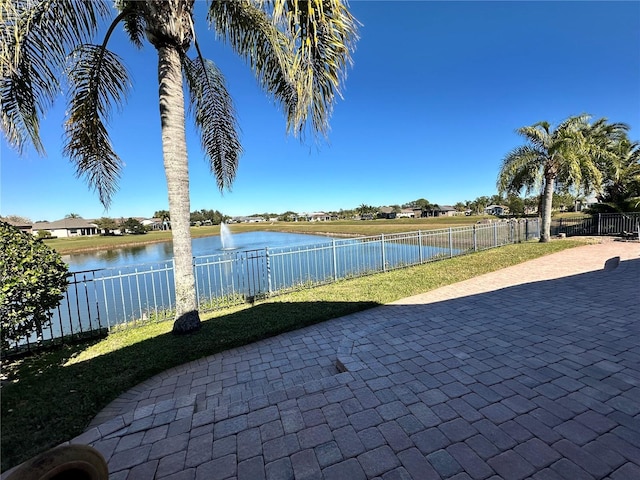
599,224
98,300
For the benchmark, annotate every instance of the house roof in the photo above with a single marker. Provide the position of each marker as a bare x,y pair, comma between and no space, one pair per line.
16,224
65,223
496,206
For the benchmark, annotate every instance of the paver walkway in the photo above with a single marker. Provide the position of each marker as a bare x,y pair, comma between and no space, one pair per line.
529,372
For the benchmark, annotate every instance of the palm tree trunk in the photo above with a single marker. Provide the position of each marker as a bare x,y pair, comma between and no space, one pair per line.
547,203
174,150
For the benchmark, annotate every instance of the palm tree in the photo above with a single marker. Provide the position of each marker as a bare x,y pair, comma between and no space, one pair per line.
570,154
621,186
298,50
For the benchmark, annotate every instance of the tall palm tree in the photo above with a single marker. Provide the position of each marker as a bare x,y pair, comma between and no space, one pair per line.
298,50
570,154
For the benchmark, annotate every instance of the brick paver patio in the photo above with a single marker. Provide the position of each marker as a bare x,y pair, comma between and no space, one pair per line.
529,372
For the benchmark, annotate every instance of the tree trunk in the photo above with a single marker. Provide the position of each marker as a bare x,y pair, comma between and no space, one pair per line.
174,150
547,202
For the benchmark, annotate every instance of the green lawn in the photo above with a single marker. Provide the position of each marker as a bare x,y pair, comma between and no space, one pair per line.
50,397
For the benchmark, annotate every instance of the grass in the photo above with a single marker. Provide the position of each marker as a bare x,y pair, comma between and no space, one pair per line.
50,397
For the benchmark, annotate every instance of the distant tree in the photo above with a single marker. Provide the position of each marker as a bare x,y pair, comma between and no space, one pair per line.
480,203
515,204
365,209
17,219
422,203
196,217
346,214
133,226
287,216
460,207
106,225
532,204
72,215
162,215
33,278
496,200
563,201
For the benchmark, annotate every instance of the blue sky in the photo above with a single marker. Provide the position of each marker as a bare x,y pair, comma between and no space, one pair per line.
430,108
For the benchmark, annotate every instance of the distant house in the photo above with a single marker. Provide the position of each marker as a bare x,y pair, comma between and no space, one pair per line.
247,220
408,213
317,217
442,211
497,210
154,223
67,227
22,226
386,212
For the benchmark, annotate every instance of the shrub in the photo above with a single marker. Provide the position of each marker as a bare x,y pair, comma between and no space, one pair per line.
33,279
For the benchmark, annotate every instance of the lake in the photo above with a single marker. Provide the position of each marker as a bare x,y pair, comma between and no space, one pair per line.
160,252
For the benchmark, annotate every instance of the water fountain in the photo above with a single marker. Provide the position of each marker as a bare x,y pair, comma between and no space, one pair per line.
225,237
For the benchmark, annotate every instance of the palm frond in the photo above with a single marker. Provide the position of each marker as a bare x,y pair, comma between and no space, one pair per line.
134,20
215,118
255,38
299,51
324,33
36,37
98,81
521,168
537,134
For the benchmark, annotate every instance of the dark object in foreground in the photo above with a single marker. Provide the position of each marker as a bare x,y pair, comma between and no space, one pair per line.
187,323
71,462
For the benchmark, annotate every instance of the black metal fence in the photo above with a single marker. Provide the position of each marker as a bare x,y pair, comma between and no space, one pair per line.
616,224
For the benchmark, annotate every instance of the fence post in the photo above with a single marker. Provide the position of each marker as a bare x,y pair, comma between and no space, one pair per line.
475,239
599,226
335,260
420,246
384,260
268,258
495,234
450,243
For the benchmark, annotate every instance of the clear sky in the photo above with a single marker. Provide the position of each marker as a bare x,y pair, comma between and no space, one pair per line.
429,111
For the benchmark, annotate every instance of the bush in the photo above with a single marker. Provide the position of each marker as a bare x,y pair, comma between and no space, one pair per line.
33,279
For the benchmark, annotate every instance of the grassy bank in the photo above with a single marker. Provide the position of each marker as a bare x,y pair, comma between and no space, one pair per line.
338,228
50,398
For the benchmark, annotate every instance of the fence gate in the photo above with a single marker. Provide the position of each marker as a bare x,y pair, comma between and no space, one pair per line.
253,273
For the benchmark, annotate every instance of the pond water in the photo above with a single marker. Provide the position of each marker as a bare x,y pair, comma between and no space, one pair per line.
160,252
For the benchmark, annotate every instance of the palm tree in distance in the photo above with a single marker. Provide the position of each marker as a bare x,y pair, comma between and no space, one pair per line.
299,51
572,154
